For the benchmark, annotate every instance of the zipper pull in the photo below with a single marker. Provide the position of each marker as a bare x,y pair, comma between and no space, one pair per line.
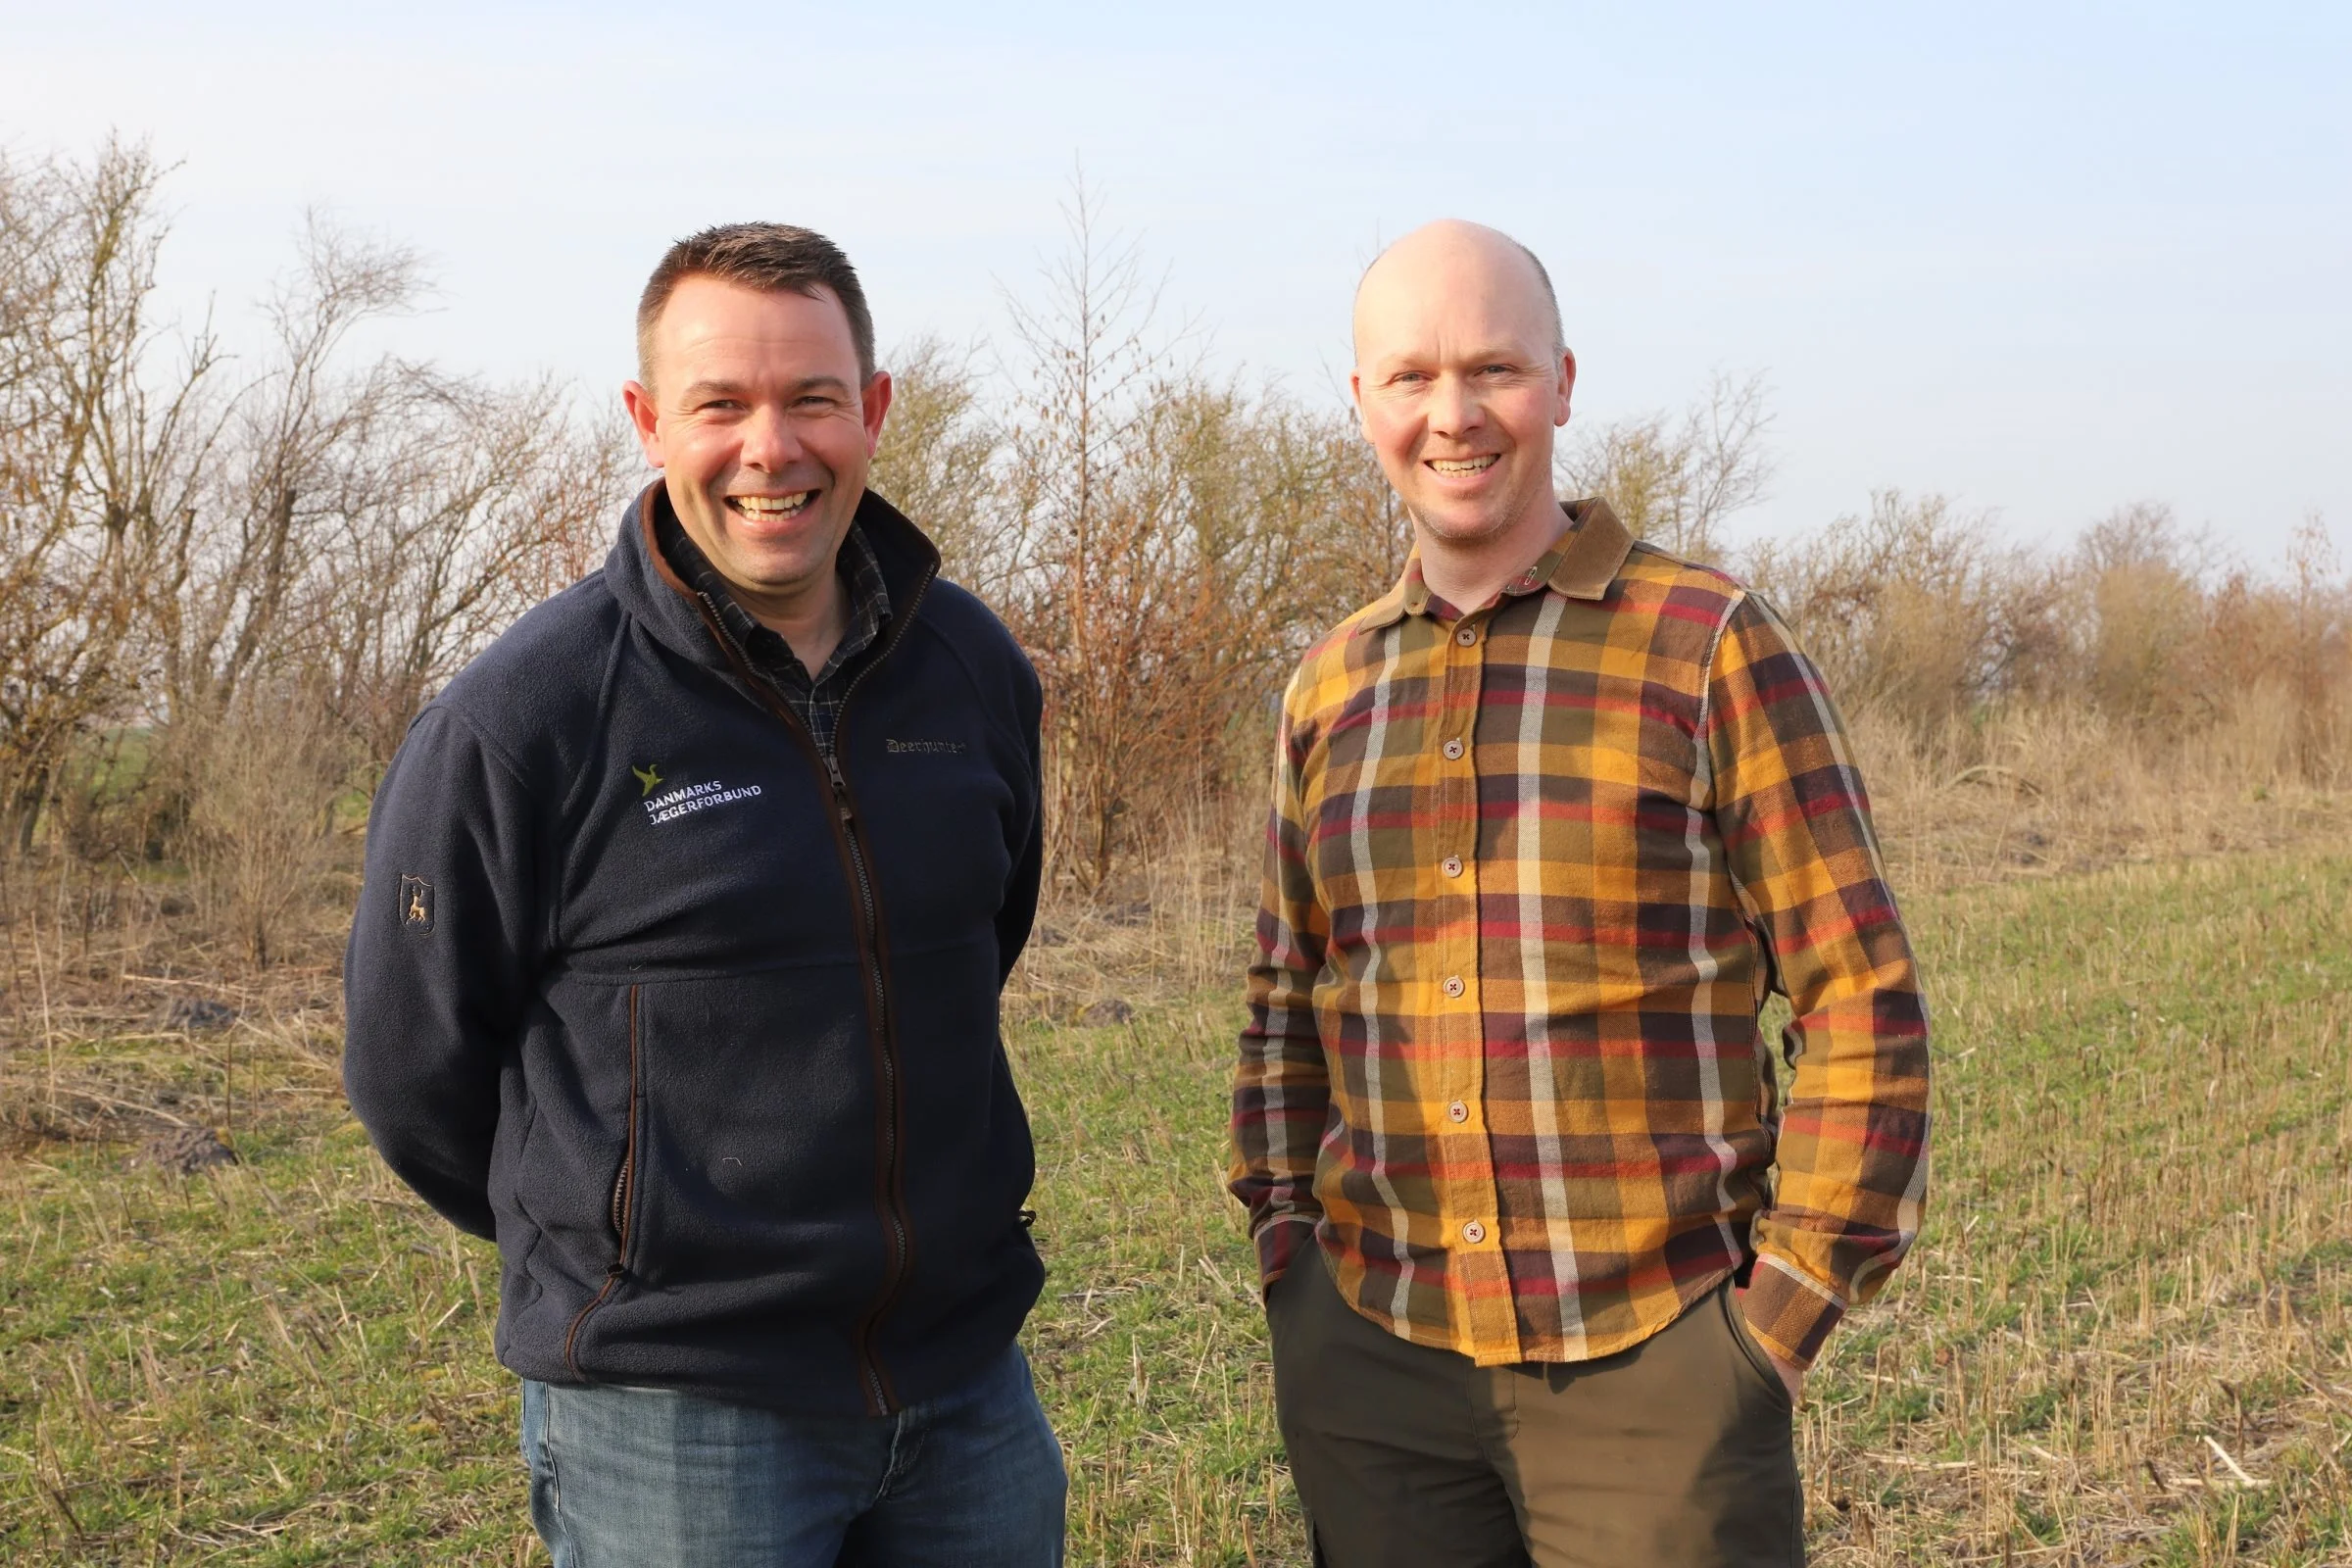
841,788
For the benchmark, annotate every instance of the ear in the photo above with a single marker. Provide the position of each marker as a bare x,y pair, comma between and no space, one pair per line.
644,418
1356,398
1567,386
875,408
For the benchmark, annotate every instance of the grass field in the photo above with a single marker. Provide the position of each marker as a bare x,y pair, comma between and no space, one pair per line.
2127,1337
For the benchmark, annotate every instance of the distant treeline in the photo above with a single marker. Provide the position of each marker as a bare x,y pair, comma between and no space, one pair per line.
228,580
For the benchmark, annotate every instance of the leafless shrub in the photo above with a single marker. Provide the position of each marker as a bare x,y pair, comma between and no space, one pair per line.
1903,606
1172,542
939,463
354,532
463,504
262,779
100,801
1675,478
241,559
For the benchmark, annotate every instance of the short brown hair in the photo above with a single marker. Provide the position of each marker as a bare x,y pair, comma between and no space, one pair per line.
773,258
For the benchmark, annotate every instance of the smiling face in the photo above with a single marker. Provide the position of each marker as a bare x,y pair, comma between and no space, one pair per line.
764,430
1459,382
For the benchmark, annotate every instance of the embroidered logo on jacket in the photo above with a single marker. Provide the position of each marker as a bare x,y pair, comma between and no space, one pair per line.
649,779
933,748
416,903
687,799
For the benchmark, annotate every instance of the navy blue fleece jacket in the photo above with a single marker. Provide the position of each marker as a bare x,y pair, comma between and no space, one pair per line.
703,1030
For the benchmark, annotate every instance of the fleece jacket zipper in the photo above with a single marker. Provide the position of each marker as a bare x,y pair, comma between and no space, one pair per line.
890,1199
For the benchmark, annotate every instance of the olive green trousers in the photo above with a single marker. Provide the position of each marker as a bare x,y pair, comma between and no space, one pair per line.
1676,1454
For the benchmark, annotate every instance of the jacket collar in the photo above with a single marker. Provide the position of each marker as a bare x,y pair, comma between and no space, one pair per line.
670,610
1581,564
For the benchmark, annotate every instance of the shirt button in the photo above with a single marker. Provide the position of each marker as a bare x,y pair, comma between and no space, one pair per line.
1455,986
1453,865
1466,636
1454,750
1473,1232
1458,1111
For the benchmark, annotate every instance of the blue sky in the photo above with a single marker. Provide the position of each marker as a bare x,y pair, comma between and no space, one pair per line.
2047,259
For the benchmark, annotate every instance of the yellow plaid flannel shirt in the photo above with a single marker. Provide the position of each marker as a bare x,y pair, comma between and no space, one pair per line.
1531,873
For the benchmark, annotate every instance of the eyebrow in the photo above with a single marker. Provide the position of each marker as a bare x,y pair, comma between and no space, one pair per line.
697,391
1491,354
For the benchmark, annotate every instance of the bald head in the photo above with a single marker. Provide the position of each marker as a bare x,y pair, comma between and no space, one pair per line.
1460,379
1449,257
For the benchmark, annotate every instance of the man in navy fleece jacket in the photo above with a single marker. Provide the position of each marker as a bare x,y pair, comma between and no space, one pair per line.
677,969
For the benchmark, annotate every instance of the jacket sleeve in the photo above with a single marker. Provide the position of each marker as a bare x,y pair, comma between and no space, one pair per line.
441,961
1281,1086
1854,1141
1018,912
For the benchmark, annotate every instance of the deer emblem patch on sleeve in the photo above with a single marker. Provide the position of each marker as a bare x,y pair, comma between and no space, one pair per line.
416,903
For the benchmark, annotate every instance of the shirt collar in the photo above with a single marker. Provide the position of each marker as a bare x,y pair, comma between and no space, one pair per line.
1581,564
861,580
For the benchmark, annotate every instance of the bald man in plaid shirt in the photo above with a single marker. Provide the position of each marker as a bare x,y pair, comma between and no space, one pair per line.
1546,1253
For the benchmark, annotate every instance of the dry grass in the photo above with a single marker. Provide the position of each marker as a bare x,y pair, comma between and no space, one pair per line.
1175,925
135,1014
2041,789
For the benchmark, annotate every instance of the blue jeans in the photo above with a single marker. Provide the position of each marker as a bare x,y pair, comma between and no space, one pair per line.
645,1478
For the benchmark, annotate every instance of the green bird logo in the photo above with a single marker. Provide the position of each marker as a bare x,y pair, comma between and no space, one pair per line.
650,777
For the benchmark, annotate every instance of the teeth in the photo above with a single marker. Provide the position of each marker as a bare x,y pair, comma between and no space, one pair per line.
771,505
1465,464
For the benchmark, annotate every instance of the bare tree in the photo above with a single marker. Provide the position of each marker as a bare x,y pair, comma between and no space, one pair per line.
285,474
1675,480
99,453
1170,544
604,468
459,498
939,463
1349,536
1091,546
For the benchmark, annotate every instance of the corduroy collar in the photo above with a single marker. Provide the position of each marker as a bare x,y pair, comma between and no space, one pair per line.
1581,564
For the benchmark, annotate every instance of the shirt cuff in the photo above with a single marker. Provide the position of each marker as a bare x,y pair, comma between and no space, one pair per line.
1790,1312
1282,1242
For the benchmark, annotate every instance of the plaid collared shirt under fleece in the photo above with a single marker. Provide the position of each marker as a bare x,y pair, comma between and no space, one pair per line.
818,697
1531,872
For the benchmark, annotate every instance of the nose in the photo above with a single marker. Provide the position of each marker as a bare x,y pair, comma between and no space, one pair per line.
770,441
1453,407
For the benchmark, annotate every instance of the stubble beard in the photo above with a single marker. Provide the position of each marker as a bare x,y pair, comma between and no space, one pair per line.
1461,535
764,575
1487,528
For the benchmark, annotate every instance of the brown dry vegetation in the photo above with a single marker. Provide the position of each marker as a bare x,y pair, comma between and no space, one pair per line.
222,595
2109,779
